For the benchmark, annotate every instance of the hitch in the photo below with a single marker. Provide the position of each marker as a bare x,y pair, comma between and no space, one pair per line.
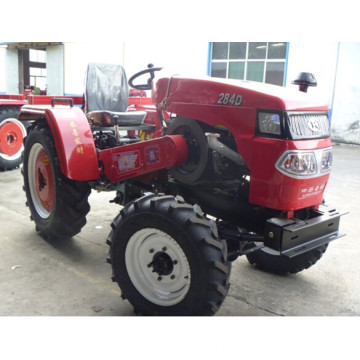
290,237
293,237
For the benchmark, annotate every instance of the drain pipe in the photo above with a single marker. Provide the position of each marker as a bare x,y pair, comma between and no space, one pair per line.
224,150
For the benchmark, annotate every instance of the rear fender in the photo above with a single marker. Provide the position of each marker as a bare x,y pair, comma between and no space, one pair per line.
73,139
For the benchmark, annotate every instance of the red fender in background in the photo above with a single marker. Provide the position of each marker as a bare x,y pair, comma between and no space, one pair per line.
72,136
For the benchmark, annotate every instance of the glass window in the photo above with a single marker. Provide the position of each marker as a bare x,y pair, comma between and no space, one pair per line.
35,71
277,50
218,69
39,82
236,70
37,55
237,50
255,71
220,50
257,50
275,73
255,61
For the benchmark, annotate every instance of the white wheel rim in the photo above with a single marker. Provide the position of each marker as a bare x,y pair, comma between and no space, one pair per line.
39,207
142,250
23,130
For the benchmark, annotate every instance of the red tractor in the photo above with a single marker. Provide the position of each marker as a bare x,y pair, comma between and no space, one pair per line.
211,170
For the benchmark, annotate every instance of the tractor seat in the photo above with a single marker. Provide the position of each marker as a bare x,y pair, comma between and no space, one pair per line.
105,118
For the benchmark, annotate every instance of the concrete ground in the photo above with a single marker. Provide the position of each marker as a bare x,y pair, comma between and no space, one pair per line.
72,278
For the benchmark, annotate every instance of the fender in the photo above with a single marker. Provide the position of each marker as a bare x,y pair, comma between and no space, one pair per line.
72,136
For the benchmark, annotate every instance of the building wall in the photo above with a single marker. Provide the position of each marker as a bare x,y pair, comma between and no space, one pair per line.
2,70
177,57
78,55
346,106
55,69
12,72
318,59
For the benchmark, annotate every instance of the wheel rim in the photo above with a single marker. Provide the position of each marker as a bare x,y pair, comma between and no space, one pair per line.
41,180
157,267
12,133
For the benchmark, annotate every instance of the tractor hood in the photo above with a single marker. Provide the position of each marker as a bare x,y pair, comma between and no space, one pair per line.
173,91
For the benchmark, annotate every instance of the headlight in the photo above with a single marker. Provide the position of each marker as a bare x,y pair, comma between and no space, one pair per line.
326,161
269,123
299,163
305,164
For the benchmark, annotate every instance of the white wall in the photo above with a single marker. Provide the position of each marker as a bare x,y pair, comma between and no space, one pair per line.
78,55
346,110
55,69
12,71
177,57
2,70
318,58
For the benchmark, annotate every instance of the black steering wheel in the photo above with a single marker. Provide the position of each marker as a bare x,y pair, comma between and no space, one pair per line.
151,69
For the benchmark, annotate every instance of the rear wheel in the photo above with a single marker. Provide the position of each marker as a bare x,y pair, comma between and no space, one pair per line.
167,258
272,261
12,133
57,204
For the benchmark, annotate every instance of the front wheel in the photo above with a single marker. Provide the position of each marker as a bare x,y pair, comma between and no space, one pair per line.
167,258
57,204
272,261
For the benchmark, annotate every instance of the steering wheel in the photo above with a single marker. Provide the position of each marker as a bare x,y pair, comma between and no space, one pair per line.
151,69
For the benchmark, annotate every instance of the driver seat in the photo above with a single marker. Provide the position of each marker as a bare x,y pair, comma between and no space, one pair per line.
106,97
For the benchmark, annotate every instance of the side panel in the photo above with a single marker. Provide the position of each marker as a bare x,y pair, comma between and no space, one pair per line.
144,157
73,139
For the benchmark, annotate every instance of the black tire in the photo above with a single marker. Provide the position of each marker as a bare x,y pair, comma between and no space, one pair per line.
273,262
197,162
57,204
12,133
167,258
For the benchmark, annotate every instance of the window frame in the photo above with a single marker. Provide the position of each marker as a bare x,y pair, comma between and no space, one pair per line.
248,60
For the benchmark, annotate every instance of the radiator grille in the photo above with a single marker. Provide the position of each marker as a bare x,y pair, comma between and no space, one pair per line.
308,125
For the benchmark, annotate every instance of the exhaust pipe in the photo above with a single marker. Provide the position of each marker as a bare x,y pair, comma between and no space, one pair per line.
224,150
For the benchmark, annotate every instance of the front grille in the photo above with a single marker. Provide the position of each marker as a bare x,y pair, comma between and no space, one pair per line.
308,125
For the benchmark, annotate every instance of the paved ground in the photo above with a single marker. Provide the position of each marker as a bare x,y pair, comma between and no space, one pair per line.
73,278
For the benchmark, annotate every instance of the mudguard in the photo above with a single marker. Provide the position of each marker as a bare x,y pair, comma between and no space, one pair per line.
72,136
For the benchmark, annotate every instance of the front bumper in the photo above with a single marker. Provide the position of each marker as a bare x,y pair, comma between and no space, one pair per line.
292,237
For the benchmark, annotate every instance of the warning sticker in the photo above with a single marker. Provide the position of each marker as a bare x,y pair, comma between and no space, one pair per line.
152,154
128,161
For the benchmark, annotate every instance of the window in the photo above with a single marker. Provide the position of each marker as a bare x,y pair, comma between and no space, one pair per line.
255,61
37,68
